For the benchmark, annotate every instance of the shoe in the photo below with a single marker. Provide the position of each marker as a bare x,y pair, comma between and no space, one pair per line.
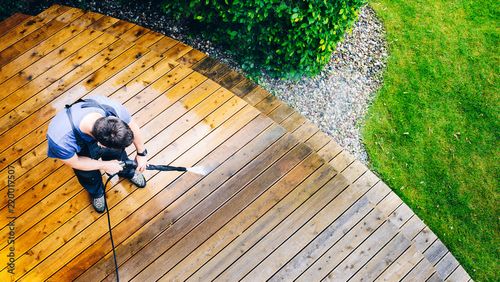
99,204
138,180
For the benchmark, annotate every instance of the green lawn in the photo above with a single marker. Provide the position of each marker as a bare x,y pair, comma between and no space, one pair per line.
432,132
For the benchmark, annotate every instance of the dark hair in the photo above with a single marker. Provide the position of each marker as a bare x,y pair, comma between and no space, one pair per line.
112,132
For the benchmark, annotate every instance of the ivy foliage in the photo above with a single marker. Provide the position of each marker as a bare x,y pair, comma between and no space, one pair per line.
283,38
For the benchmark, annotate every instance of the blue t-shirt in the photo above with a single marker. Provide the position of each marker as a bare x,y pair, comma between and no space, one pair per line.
61,140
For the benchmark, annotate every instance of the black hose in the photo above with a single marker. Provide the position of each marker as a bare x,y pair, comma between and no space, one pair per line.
131,164
109,225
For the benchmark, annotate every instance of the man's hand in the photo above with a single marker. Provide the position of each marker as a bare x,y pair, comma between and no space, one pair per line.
142,162
111,167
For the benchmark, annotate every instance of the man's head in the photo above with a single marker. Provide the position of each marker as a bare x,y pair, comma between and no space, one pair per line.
112,132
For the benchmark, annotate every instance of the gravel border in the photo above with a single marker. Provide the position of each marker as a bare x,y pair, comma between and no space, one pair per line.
336,100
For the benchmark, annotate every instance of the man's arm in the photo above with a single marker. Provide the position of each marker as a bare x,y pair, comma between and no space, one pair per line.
138,138
86,163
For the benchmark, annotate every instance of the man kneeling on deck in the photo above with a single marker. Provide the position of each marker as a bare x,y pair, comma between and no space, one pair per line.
92,129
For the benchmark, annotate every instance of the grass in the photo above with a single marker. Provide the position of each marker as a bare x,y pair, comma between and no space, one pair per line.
432,131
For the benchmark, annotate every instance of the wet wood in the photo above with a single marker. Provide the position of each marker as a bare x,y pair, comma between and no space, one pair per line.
11,22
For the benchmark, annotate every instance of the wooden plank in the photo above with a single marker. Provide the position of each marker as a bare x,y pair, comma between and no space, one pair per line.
105,23
308,129
436,252
281,113
421,272
459,275
12,22
13,51
29,167
140,217
231,79
293,122
222,215
342,160
412,227
83,62
243,220
384,258
326,239
192,57
350,241
178,51
268,104
254,96
69,250
424,239
330,150
164,44
434,278
122,29
318,141
243,88
217,71
342,213
125,74
161,243
46,47
268,221
48,69
169,90
29,25
402,265
204,65
446,265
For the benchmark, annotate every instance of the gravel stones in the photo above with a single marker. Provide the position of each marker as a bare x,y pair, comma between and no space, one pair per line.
336,100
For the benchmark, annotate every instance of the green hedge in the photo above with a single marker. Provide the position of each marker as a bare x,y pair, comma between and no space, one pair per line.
283,38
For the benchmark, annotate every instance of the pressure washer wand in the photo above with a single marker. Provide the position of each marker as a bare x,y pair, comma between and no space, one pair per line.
130,164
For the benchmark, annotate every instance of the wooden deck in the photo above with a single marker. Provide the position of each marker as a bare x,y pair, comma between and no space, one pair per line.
282,202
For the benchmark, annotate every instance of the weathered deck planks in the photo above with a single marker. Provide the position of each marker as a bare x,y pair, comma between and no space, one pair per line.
282,200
